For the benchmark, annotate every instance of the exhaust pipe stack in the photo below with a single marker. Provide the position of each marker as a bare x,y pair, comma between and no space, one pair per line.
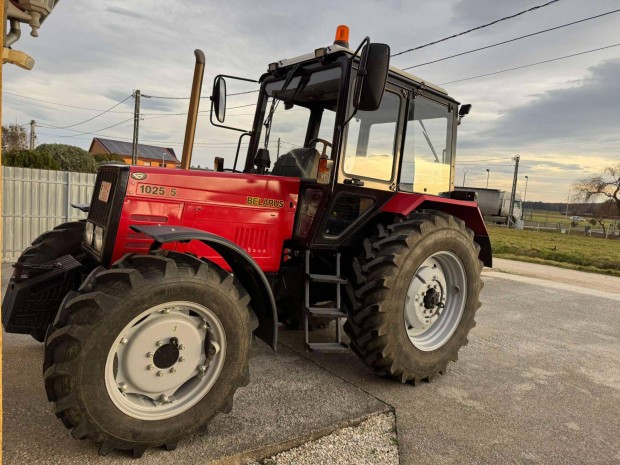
192,113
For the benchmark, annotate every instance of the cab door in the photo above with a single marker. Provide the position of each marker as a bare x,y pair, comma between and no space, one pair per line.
366,175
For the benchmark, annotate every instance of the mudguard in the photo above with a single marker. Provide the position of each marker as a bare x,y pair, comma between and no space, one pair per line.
245,269
403,203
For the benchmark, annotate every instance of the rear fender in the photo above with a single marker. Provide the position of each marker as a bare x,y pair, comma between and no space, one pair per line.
245,269
403,204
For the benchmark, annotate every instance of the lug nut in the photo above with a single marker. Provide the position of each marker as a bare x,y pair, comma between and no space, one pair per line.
181,347
203,326
181,359
124,340
150,367
122,386
202,368
164,398
149,355
160,373
173,370
165,311
159,343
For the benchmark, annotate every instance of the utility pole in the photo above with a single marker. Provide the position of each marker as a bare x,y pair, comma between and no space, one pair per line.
464,173
524,196
567,201
136,128
33,136
278,154
514,190
488,171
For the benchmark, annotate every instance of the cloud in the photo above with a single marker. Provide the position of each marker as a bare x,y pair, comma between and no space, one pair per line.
125,12
586,111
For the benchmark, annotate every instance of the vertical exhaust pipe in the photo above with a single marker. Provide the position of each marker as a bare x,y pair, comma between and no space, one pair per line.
192,113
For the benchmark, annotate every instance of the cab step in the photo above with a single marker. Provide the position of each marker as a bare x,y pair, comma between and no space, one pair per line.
327,347
331,309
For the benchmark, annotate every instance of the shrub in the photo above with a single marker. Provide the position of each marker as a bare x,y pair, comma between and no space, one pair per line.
69,157
30,159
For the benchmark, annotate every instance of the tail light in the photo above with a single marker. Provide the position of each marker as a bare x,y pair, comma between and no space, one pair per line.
325,168
310,202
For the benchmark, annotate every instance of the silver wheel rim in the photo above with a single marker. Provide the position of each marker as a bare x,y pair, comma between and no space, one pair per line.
165,360
435,301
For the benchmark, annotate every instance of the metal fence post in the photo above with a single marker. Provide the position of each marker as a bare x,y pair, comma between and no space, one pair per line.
68,191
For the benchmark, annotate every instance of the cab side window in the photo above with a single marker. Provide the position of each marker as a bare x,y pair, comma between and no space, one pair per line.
371,141
427,156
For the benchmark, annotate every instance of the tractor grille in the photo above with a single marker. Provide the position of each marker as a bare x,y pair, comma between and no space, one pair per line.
106,206
100,210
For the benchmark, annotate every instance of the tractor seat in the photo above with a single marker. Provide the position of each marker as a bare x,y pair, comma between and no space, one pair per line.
299,163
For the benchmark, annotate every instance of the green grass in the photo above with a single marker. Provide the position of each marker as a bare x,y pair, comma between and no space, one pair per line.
569,251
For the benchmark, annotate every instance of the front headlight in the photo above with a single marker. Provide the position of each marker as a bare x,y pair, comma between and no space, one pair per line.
88,232
98,242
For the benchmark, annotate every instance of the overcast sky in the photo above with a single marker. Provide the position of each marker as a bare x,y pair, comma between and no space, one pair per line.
561,117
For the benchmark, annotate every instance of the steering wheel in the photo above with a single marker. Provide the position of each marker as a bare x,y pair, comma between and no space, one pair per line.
325,143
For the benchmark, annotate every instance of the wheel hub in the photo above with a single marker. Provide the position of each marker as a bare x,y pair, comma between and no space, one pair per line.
167,355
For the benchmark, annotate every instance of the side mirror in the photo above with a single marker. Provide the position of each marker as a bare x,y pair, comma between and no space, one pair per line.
218,97
465,109
372,76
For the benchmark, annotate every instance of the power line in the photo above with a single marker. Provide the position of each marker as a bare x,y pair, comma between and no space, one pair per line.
47,126
505,18
512,40
98,115
531,64
163,97
61,104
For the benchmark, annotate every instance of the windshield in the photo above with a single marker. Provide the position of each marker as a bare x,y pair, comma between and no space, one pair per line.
302,111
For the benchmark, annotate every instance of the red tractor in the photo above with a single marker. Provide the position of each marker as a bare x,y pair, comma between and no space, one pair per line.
149,306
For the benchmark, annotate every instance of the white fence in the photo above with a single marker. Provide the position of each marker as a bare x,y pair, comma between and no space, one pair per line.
34,201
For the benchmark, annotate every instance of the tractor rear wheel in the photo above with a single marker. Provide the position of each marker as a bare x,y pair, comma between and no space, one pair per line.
416,297
149,351
64,239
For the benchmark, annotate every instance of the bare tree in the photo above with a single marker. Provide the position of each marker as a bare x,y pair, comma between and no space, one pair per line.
604,186
14,137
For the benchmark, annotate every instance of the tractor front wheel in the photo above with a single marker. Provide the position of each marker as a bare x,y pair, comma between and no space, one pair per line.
149,351
416,297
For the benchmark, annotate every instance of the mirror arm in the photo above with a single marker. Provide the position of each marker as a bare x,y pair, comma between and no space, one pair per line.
361,72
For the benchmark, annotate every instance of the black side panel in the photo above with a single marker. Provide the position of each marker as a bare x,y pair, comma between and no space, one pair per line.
485,249
243,266
29,306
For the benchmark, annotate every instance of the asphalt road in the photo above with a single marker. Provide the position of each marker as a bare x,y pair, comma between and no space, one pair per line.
538,383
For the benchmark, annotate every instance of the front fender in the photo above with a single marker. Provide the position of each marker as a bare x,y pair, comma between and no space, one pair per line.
245,269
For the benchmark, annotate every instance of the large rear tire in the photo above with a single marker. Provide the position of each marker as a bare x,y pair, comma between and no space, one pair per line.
64,239
149,351
416,296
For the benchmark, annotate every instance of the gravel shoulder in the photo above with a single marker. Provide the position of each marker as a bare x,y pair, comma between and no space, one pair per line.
373,442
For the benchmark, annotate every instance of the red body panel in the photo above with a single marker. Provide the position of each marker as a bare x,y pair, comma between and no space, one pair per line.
404,203
255,212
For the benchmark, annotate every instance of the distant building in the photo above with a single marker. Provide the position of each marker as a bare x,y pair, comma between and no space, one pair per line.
148,155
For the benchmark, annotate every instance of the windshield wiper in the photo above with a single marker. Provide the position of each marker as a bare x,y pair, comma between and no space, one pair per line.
428,141
275,102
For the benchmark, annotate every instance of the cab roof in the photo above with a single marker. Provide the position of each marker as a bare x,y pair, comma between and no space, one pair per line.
331,49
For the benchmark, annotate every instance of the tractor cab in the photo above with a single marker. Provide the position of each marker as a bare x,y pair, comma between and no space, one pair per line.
353,129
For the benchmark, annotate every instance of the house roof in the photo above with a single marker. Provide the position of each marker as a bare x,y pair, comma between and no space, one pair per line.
151,152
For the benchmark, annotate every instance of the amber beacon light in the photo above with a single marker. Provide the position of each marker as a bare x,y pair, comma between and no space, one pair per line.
342,36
